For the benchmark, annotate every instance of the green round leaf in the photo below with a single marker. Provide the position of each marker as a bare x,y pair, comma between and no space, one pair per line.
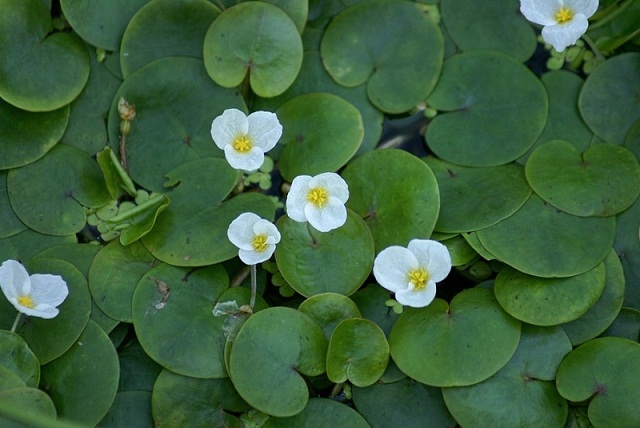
548,301
461,252
600,316
610,98
192,231
38,71
321,133
603,181
628,250
27,243
313,262
475,198
626,324
481,124
189,402
31,401
314,78
522,393
128,407
175,104
82,383
138,372
542,241
321,413
396,194
404,403
371,302
57,207
9,222
177,303
482,26
358,352
101,23
604,371
256,38
9,379
165,28
50,338
564,121
456,345
328,310
27,136
286,345
16,356
113,276
87,129
399,75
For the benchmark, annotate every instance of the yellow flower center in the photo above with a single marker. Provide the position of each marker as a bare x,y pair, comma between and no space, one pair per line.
419,278
318,196
26,301
259,243
564,15
242,144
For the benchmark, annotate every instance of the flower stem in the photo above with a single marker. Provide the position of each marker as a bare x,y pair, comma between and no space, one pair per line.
15,323
593,47
254,285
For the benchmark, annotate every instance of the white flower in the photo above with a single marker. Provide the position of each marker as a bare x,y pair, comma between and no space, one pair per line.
564,21
36,295
412,272
246,139
255,237
319,200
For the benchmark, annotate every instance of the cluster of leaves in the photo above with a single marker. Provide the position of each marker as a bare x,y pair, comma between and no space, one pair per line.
532,183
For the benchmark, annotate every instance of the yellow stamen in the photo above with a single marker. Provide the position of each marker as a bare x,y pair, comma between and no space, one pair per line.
26,301
318,196
564,15
419,278
242,144
259,243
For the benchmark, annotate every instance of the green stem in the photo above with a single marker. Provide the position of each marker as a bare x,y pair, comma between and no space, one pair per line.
254,286
607,16
15,323
593,47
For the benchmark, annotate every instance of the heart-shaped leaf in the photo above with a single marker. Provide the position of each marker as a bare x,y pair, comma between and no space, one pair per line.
399,75
57,207
286,345
481,124
603,181
256,38
38,71
313,262
456,345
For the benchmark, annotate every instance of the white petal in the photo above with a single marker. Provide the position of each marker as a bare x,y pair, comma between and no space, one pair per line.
584,7
562,35
13,279
540,12
297,198
249,161
392,266
240,231
432,256
417,299
226,127
40,311
265,227
331,216
335,185
48,290
254,257
264,129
